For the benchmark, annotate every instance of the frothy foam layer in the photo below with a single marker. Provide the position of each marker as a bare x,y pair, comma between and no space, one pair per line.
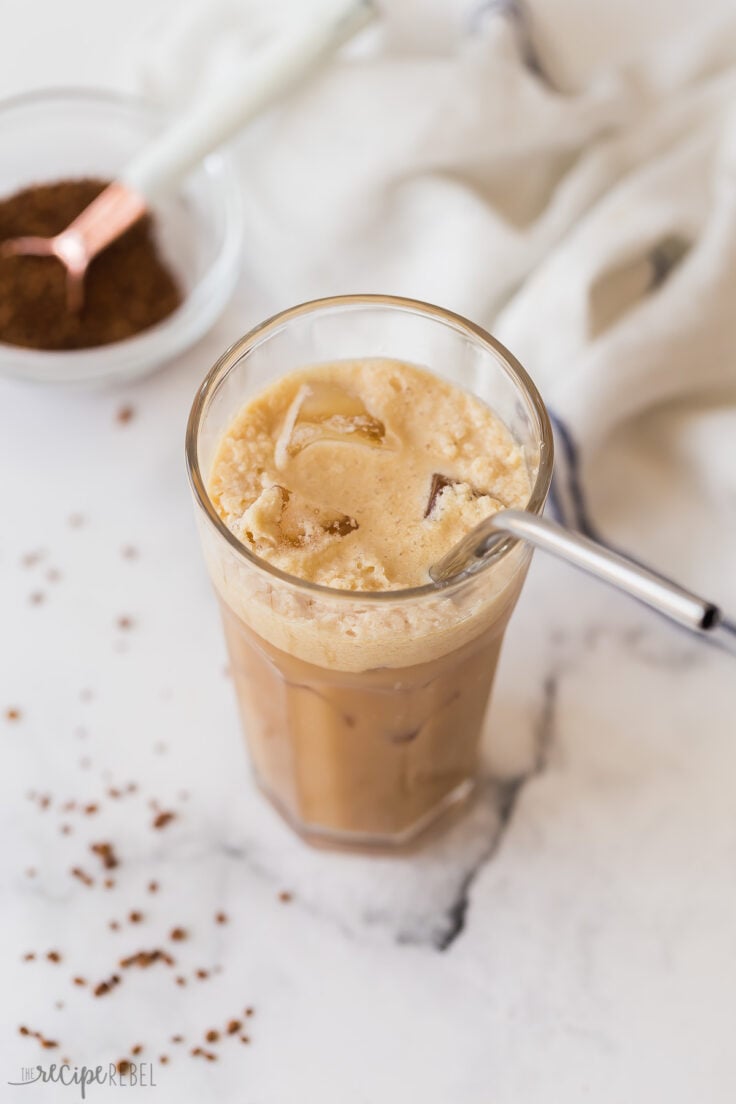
359,475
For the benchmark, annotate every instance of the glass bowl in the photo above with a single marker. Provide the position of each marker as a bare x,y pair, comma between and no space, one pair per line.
62,134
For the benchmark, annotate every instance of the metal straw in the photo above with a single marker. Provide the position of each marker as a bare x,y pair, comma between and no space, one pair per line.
655,590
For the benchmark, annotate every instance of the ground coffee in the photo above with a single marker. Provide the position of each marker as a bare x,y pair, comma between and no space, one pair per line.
128,287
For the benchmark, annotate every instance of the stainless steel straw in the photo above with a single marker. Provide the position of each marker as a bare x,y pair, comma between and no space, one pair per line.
655,590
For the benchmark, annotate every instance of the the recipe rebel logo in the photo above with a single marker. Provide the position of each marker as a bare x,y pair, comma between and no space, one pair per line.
140,1075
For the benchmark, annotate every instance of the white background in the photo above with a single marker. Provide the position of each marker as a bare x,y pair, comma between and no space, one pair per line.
597,961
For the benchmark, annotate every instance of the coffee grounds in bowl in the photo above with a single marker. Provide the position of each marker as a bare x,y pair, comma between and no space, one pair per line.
127,289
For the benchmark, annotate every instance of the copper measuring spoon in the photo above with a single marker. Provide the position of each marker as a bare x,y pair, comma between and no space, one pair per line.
216,117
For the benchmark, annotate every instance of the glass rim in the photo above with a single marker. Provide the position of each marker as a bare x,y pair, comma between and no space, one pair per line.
275,322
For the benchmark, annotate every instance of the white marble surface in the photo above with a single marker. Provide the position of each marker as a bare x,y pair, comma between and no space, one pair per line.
573,939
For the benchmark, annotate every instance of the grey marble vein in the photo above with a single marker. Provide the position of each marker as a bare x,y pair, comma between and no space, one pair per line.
507,797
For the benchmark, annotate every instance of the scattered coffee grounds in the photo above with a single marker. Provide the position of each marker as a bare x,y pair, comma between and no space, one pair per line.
36,598
129,552
76,521
123,1067
13,714
200,1052
90,810
66,829
162,819
30,559
106,986
127,966
48,1044
106,853
144,959
128,287
125,623
124,415
82,875
109,883
53,575
285,897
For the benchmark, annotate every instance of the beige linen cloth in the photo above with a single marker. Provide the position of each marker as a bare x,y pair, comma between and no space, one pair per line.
561,171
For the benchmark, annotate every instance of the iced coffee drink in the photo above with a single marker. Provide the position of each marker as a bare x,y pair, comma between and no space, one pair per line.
362,686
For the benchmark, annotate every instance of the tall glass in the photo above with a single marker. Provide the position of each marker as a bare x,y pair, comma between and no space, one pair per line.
363,710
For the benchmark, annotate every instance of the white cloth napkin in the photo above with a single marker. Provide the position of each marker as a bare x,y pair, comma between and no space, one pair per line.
562,171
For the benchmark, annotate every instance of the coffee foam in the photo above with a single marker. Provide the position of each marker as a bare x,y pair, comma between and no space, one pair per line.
358,476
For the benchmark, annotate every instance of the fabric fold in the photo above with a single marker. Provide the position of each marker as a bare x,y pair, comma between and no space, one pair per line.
562,173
